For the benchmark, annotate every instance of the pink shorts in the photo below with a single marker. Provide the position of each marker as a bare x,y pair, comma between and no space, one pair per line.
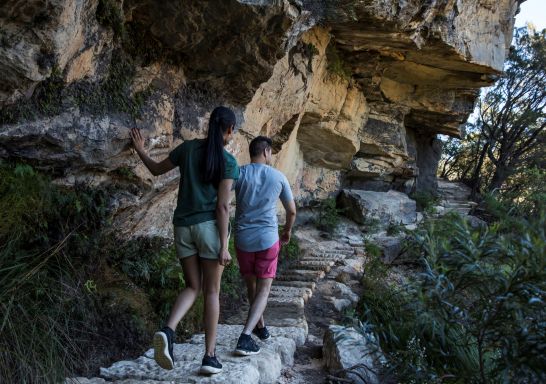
262,264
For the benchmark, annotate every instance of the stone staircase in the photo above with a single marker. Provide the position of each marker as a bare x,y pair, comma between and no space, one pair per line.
455,197
285,318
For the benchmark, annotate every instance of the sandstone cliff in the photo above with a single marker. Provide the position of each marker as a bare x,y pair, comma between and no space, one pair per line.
353,93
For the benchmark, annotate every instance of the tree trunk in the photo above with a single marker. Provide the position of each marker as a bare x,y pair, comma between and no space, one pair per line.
499,177
475,180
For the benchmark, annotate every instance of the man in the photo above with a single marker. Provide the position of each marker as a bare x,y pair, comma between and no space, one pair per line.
256,235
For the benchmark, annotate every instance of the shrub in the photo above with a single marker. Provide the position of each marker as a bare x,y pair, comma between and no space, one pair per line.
39,293
425,201
232,282
110,14
289,253
394,229
328,215
371,224
372,249
475,312
111,94
336,64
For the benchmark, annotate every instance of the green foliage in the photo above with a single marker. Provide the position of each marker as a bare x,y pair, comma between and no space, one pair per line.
328,215
40,225
524,193
372,249
289,253
394,229
476,311
336,64
109,14
232,284
46,100
125,172
112,94
507,137
371,225
425,200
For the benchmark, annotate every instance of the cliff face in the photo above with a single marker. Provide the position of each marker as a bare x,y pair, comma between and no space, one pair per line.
353,93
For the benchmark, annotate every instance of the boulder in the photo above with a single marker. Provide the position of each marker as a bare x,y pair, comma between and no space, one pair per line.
346,348
339,294
390,207
391,247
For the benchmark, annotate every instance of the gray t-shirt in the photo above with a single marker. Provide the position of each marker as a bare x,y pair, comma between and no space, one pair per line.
257,190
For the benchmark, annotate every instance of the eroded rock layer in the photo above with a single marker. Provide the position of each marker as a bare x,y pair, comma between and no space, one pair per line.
352,93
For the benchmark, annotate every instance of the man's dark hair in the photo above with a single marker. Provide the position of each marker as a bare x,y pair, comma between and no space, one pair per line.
258,145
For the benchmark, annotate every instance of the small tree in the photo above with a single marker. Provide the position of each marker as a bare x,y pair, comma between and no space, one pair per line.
509,131
513,114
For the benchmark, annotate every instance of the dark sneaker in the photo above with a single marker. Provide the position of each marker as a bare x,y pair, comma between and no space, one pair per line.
210,365
163,348
262,333
246,346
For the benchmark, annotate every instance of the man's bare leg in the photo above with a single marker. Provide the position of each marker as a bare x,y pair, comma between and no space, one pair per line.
255,314
251,290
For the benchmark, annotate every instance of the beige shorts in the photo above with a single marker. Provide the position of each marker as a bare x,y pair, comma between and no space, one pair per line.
200,239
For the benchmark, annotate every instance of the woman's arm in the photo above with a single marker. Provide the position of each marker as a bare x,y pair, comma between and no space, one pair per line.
222,219
153,166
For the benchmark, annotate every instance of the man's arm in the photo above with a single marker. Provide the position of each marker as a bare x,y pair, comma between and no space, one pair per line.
290,208
156,168
222,219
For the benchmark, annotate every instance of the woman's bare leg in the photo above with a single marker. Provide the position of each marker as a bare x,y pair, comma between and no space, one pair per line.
212,275
186,298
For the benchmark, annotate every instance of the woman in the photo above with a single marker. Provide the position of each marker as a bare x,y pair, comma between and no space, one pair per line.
207,172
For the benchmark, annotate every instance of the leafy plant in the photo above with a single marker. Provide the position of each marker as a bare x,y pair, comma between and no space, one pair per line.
111,94
336,64
507,136
328,215
372,249
475,311
289,253
41,303
394,229
371,224
425,200
109,14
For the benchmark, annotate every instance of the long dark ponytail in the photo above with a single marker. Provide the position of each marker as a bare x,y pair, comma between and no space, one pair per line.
214,164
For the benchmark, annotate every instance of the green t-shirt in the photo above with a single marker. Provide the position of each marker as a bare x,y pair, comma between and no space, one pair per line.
197,199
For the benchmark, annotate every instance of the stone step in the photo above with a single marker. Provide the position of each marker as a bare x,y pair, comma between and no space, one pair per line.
285,301
277,291
277,317
321,260
264,367
348,251
462,211
462,202
314,267
301,275
457,205
356,245
297,284
316,262
315,256
344,248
